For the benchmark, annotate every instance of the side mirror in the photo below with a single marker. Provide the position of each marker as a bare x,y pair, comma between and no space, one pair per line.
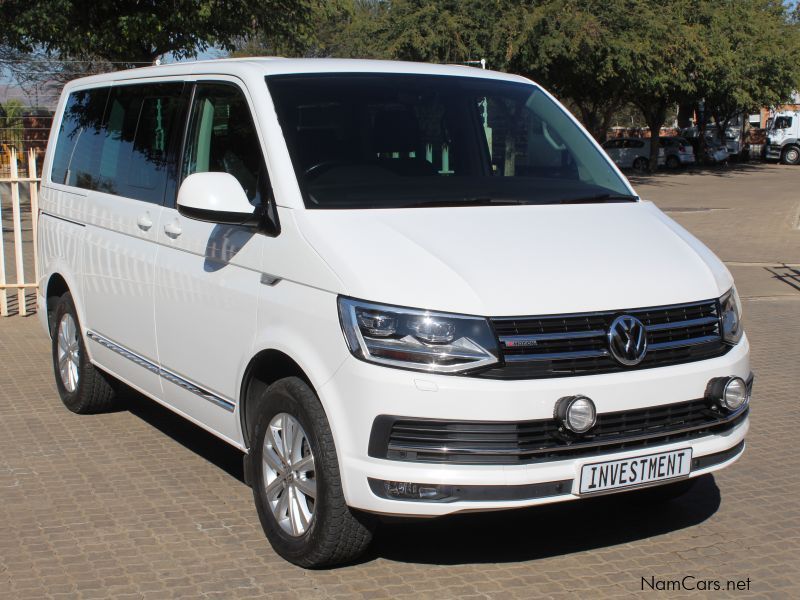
216,198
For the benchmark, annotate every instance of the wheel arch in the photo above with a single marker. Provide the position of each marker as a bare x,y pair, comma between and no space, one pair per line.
57,286
264,369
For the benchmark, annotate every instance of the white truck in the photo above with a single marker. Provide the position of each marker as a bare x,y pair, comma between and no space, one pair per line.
783,138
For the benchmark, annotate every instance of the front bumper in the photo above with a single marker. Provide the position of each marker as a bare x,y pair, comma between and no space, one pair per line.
773,152
359,392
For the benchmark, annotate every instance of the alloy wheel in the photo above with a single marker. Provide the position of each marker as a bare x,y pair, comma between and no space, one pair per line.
289,475
69,353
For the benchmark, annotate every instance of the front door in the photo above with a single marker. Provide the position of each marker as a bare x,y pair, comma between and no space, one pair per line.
208,275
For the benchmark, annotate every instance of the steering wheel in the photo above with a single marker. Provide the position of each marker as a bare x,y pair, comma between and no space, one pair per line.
323,165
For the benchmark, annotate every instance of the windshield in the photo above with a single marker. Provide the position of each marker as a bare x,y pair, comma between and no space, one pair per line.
391,141
782,122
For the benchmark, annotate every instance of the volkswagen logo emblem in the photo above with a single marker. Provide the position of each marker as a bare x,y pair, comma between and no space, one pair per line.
627,340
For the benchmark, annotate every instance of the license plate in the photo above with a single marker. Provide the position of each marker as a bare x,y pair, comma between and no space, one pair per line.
634,471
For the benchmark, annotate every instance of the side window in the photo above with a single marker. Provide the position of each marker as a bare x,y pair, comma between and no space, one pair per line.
116,140
80,136
139,127
222,138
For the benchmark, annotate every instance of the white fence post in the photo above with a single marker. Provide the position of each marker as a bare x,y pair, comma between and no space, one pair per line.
15,212
21,286
3,298
33,187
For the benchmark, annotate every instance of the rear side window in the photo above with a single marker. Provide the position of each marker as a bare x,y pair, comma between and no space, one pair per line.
122,139
80,137
139,127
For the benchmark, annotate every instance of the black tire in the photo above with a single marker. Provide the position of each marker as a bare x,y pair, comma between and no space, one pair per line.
641,165
673,162
665,492
791,155
94,390
335,533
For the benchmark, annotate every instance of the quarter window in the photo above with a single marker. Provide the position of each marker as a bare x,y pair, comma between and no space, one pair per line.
80,136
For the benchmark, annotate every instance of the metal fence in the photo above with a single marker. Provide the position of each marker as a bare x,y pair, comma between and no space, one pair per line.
19,211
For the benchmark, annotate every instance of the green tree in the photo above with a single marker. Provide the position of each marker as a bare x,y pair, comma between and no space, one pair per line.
573,48
12,129
131,32
750,58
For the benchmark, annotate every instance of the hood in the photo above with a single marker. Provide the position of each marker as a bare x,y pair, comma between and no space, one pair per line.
515,260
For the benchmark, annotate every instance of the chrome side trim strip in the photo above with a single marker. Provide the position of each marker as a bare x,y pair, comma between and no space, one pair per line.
122,351
161,372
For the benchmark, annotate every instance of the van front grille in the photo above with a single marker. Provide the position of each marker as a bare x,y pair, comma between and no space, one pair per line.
577,344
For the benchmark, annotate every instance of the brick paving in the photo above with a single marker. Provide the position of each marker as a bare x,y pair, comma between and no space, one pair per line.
140,504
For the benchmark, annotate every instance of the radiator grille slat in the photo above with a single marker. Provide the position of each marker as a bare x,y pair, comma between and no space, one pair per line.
564,345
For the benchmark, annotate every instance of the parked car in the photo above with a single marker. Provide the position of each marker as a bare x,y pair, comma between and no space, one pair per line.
387,304
716,153
632,153
678,151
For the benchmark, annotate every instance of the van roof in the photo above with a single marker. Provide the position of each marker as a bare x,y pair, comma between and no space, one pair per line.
263,66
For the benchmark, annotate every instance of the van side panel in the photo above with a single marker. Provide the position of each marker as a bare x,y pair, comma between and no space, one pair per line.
60,239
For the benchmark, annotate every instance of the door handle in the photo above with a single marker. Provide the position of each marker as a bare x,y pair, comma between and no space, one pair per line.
144,222
172,230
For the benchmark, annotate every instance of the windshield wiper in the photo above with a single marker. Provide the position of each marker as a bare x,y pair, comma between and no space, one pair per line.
599,199
471,201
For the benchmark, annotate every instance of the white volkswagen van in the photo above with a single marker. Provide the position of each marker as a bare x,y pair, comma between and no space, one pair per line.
397,288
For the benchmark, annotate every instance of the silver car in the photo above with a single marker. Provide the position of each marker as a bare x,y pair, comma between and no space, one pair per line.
632,153
678,151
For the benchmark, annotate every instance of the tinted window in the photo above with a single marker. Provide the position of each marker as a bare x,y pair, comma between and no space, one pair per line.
80,136
139,127
121,140
783,122
222,138
388,140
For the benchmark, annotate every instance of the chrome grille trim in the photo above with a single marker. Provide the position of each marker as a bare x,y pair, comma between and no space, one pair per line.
551,336
533,347
683,324
684,343
557,356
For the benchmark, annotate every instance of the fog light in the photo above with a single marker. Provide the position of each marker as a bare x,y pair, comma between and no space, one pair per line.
402,490
729,392
576,413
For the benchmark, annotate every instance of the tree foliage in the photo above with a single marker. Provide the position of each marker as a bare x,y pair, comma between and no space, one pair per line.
132,32
598,55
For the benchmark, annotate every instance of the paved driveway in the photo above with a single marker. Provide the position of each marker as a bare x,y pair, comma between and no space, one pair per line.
140,504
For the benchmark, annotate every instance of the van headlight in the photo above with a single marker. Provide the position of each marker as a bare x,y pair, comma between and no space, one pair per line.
730,317
422,340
